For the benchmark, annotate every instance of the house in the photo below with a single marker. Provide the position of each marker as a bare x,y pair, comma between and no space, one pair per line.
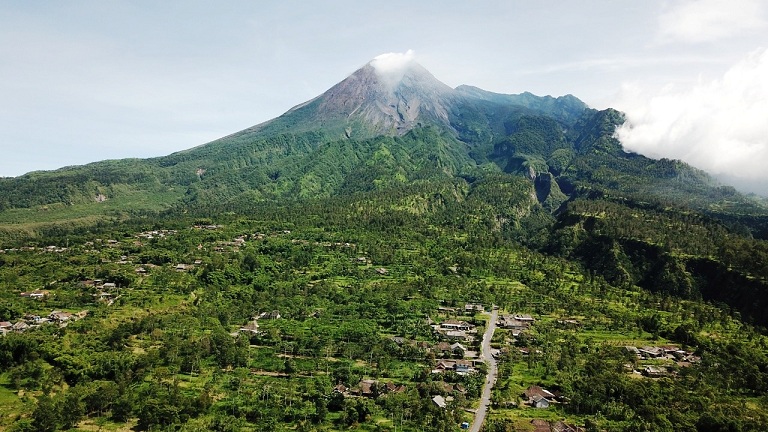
569,323
456,325
654,372
392,388
252,328
104,296
366,388
382,271
20,327
458,348
471,308
439,401
539,402
524,317
510,323
633,350
462,368
651,352
109,286
444,365
59,316
36,294
269,315
538,397
340,388
456,335
5,325
538,391
443,348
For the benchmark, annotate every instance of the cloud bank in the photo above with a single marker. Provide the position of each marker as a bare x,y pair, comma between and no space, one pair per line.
697,21
720,126
392,66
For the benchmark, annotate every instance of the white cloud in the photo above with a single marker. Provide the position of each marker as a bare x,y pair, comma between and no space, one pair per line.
719,126
392,66
695,21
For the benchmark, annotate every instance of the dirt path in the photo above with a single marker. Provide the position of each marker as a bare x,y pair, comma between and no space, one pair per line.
485,354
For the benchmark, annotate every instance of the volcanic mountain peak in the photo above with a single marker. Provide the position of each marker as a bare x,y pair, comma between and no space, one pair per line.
392,67
390,94
387,96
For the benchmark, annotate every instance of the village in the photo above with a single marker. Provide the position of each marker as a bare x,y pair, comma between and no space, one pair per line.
450,365
29,321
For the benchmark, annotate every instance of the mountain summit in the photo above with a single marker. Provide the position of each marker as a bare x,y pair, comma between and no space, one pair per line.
387,96
389,99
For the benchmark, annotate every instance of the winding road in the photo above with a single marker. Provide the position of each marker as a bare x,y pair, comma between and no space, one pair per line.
485,354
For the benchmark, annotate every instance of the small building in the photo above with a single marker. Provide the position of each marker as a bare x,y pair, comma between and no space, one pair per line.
462,368
439,401
443,348
511,323
654,372
538,397
20,327
393,388
457,346
59,316
366,388
633,350
651,352
569,323
471,308
36,294
269,315
456,325
539,402
251,328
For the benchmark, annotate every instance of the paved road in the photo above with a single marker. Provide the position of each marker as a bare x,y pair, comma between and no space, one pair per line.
485,354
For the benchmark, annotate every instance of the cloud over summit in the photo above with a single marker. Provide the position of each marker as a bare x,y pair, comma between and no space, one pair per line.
392,66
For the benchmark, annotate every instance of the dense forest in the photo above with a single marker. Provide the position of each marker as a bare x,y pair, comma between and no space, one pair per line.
164,341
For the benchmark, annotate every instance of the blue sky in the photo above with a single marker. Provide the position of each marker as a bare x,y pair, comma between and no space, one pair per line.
82,81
